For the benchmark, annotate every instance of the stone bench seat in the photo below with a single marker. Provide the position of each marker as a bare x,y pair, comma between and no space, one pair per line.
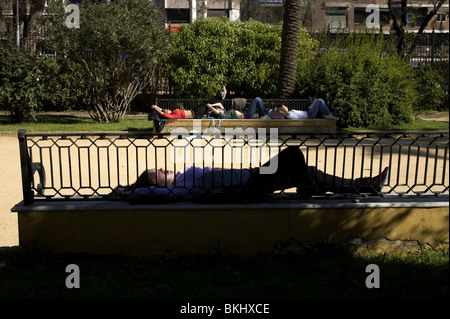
188,228
63,210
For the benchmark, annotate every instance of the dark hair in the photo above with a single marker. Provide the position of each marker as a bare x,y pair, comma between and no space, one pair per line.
142,180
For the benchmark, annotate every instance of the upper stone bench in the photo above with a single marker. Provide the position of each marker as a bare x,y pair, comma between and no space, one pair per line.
284,126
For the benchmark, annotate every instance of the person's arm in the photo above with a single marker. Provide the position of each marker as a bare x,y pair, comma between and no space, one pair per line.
284,110
164,114
214,109
218,105
158,110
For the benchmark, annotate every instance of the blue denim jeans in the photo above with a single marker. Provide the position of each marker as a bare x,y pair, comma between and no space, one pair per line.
317,106
257,104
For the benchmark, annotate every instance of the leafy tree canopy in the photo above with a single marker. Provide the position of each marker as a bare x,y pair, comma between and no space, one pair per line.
115,52
245,56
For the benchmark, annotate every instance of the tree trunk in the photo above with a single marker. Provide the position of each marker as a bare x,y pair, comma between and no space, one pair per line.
289,48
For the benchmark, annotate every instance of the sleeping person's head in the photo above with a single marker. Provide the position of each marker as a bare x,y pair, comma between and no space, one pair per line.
160,177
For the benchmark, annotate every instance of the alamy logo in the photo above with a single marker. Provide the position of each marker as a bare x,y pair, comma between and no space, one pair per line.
73,280
373,280
373,19
237,146
73,19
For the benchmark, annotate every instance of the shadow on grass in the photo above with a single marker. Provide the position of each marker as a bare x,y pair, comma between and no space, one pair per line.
77,123
53,119
63,119
320,274
148,129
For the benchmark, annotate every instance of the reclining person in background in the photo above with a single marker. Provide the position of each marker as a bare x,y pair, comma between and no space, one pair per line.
243,184
317,107
257,105
179,114
175,114
157,114
201,110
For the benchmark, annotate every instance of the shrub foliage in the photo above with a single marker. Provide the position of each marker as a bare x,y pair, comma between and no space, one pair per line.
120,48
21,91
245,56
364,80
115,52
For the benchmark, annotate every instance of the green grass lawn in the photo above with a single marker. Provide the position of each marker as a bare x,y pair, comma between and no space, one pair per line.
67,122
326,272
415,125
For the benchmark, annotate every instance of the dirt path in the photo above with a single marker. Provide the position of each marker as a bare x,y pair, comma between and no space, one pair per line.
437,117
10,190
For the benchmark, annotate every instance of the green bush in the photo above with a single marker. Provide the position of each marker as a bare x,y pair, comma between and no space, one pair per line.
245,56
30,83
21,76
61,90
114,54
367,83
430,91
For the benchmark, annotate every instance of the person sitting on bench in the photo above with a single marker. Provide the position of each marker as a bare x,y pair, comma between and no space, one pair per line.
257,105
244,184
317,107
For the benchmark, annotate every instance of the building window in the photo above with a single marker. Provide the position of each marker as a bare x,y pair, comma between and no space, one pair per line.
416,16
441,17
217,13
6,25
178,15
47,2
336,19
360,16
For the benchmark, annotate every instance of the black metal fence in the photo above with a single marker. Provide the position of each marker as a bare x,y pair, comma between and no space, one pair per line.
432,49
88,166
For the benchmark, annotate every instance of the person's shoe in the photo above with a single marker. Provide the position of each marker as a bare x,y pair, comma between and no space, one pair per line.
158,124
265,117
223,92
329,117
369,184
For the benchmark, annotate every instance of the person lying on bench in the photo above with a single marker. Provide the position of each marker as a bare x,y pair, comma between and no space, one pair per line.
175,114
317,107
157,114
257,105
196,183
180,114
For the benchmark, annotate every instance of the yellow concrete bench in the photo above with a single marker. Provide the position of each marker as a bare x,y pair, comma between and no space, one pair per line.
187,228
284,126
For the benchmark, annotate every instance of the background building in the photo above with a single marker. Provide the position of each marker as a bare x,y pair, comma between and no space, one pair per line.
336,17
178,12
